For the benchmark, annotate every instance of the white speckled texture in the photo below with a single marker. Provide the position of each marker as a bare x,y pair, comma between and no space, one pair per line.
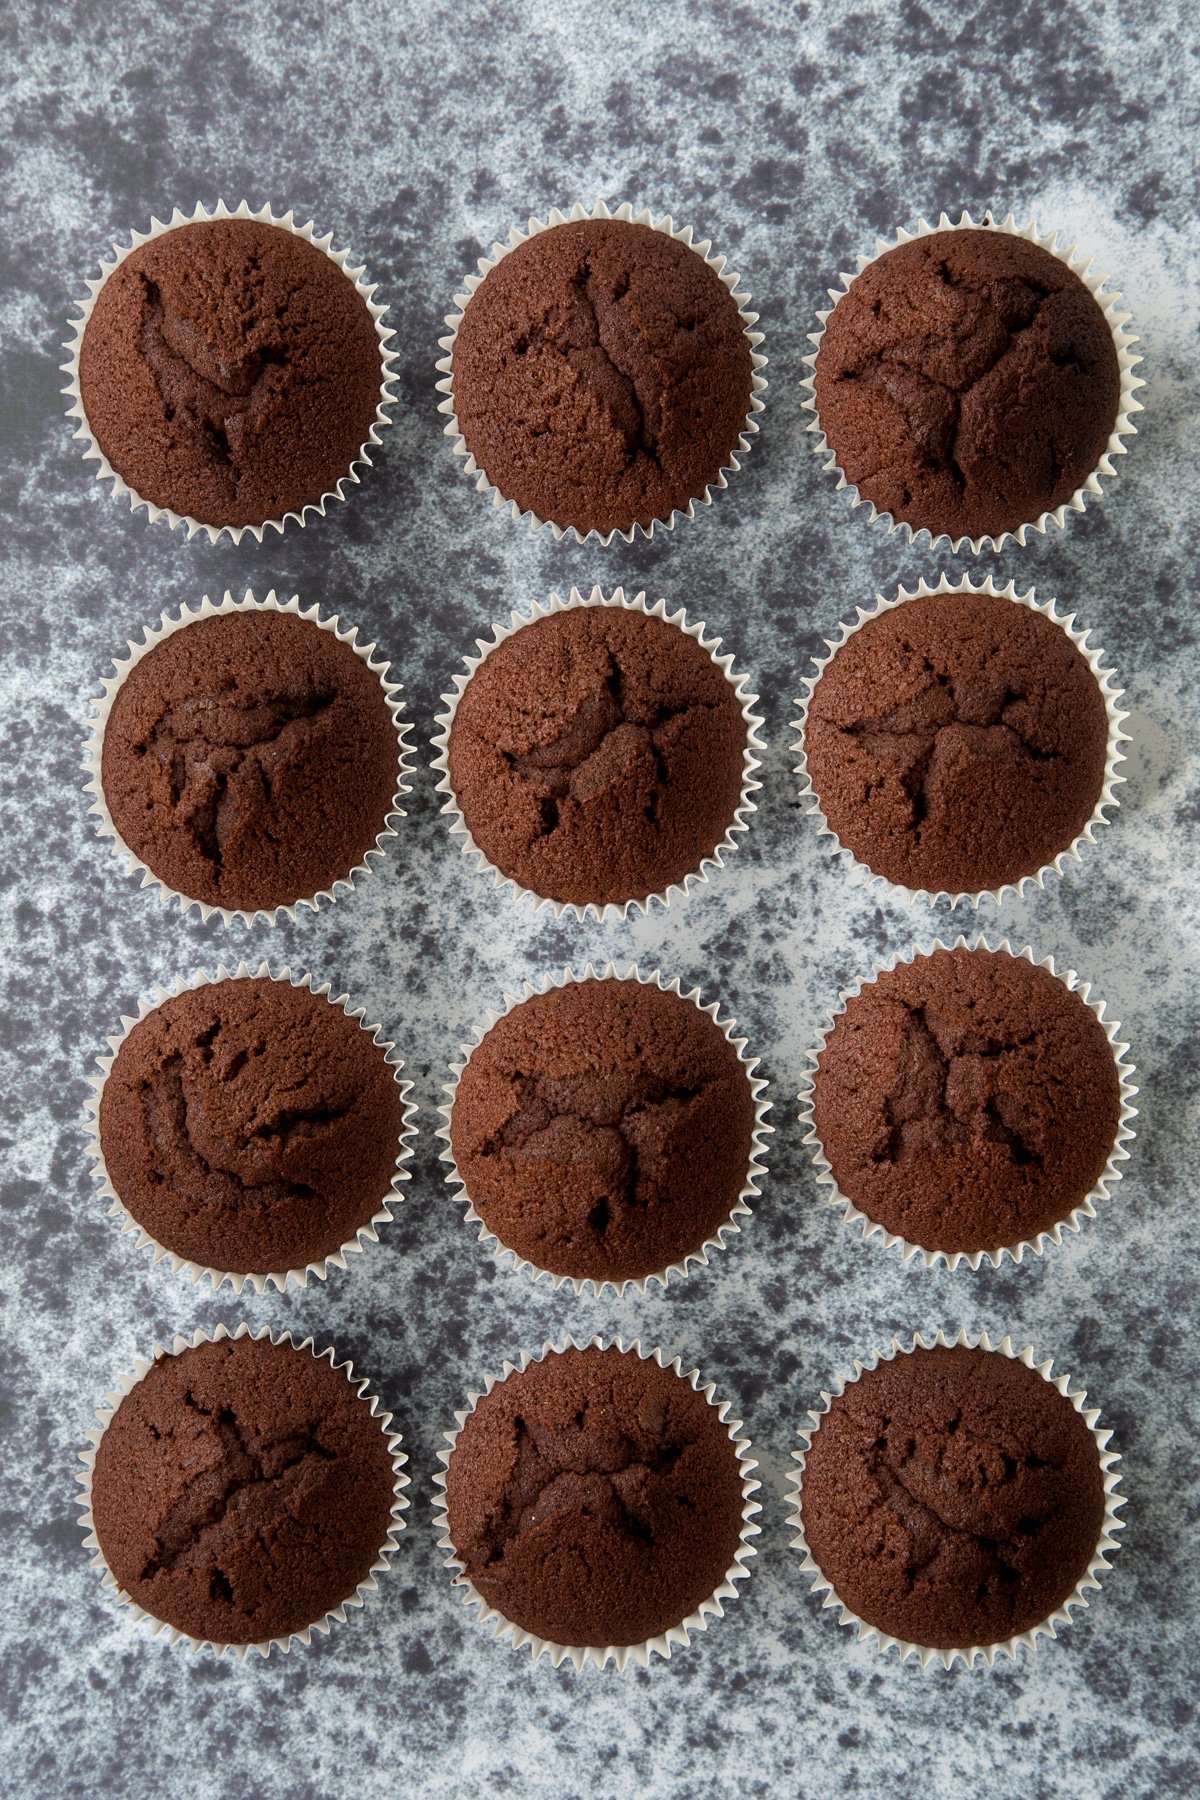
790,134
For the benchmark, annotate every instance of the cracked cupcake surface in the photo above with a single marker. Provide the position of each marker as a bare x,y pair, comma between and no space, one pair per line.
967,1100
242,1490
602,375
952,1497
967,382
604,1129
250,760
595,1498
250,1126
598,755
957,742
230,371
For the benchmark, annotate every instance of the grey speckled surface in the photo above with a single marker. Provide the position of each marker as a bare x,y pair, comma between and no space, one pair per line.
790,134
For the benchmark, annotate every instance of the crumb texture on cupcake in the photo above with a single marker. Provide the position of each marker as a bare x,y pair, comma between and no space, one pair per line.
966,1100
957,742
595,1499
250,760
598,755
242,1490
602,375
967,382
250,1126
230,371
604,1129
952,1497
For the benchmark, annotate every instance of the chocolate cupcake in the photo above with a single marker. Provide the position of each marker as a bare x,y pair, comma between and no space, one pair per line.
601,375
595,1502
244,1491
970,383
960,741
230,371
249,1128
248,757
955,1500
598,754
969,1103
607,1131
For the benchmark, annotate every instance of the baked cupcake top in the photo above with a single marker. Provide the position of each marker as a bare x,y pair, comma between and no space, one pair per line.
967,382
242,1490
251,1126
594,1499
967,1100
604,1129
957,742
952,1497
598,755
250,760
602,375
230,371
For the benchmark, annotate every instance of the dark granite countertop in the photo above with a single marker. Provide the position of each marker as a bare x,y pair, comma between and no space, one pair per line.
790,134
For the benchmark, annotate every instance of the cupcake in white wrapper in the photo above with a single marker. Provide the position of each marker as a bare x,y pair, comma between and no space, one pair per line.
1036,1244
1127,403
738,823
1089,1581
153,636
363,1589
749,424
341,259
198,1271
1106,804
598,1655
716,1240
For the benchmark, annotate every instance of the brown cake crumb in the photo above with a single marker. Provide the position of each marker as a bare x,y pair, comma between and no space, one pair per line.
957,742
602,375
230,371
604,1129
250,760
242,1490
598,755
595,1499
952,1497
251,1126
967,1100
967,382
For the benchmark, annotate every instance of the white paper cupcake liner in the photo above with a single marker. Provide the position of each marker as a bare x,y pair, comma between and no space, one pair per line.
970,1654
754,338
102,705
755,1171
621,1655
367,1233
1127,405
1105,681
973,1259
264,216
322,1625
610,911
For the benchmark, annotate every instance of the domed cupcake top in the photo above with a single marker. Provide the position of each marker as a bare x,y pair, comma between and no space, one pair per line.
230,371
250,1126
594,1498
602,375
952,1497
967,382
966,1100
242,1490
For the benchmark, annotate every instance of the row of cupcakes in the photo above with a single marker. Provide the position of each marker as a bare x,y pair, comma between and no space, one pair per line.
953,1498
602,375
608,1130
599,753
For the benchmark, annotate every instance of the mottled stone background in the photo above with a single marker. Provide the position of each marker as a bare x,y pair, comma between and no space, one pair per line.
790,134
